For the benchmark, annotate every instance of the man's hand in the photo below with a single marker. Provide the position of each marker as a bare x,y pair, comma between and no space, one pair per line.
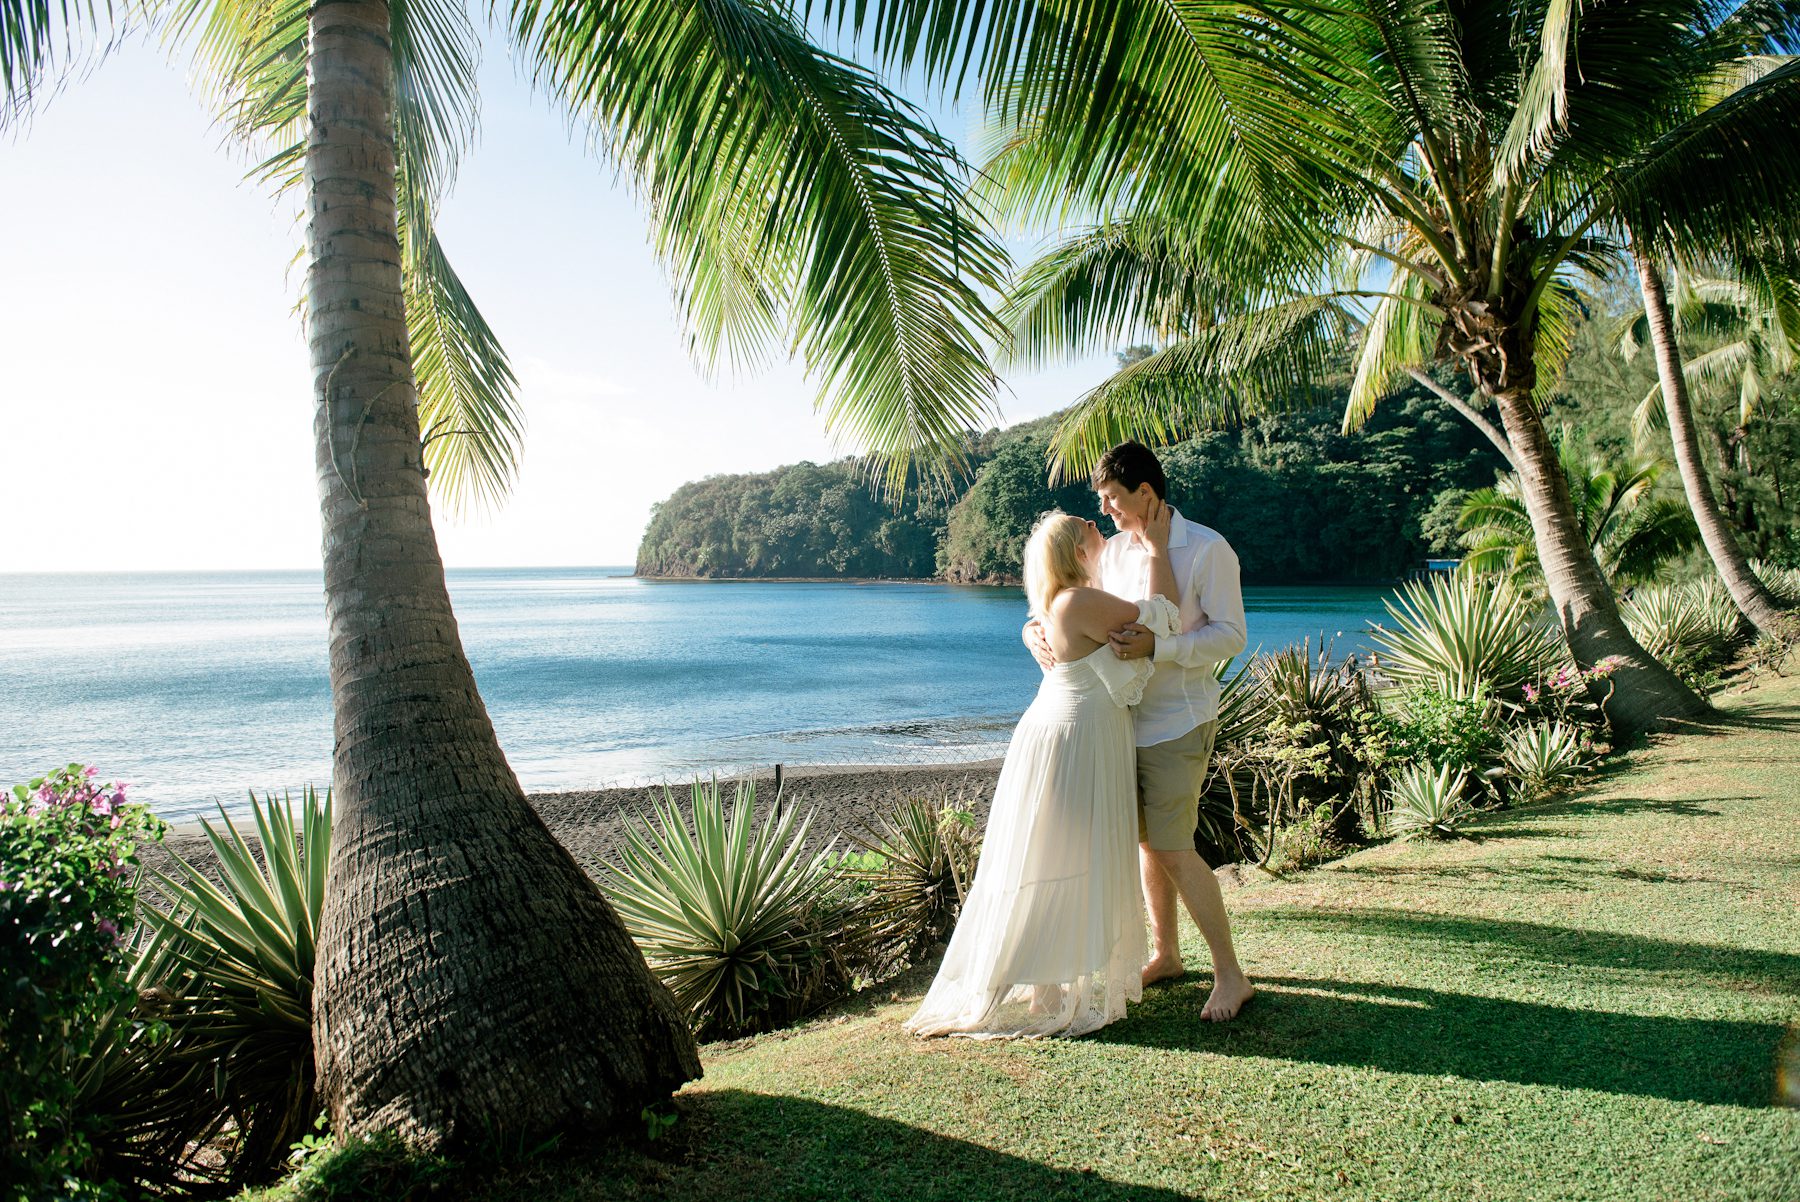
1134,640
1038,645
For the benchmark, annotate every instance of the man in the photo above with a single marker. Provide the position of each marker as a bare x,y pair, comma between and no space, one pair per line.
1178,717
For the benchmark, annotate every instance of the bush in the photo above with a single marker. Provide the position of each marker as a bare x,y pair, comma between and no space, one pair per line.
239,993
1430,727
746,929
1783,583
1427,799
1685,626
911,879
1459,633
1541,757
68,853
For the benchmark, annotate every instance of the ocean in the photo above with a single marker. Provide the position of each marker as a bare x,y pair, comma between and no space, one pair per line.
198,687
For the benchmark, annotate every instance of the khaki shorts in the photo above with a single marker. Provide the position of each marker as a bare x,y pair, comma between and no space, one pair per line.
1170,775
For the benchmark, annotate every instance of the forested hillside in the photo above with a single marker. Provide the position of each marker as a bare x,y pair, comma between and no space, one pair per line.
1299,500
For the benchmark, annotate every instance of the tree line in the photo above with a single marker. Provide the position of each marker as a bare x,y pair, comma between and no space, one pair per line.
1300,500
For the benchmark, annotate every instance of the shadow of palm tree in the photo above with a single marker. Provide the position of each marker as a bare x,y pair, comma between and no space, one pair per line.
1556,946
1403,1029
743,1145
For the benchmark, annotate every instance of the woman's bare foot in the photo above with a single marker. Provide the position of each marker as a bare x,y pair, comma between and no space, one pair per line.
1162,968
1230,992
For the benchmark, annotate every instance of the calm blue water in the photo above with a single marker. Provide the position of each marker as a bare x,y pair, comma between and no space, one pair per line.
197,687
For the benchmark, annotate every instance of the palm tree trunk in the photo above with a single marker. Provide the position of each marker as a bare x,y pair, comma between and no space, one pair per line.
1646,694
472,981
1752,599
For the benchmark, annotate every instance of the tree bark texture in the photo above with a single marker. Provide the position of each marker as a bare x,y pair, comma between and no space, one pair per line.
1646,694
472,982
1752,599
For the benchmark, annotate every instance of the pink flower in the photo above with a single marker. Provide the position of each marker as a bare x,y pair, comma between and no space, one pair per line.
1531,692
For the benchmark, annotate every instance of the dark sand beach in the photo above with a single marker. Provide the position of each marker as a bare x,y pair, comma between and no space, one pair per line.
590,823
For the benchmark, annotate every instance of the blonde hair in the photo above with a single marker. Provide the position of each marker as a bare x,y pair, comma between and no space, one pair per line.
1053,560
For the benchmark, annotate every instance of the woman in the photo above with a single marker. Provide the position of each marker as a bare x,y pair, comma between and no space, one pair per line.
1051,938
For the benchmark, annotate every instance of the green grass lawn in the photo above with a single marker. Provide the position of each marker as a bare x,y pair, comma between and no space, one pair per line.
1583,1000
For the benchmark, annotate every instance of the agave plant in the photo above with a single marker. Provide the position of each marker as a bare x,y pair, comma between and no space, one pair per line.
229,970
1243,713
1541,757
916,872
1783,583
739,921
1427,799
1685,624
1460,633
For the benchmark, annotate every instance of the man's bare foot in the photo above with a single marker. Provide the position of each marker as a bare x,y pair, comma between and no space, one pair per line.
1228,997
1162,968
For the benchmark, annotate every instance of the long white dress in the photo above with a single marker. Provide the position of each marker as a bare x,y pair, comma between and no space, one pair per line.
1051,938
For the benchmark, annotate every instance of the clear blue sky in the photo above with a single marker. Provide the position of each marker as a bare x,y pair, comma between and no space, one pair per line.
153,407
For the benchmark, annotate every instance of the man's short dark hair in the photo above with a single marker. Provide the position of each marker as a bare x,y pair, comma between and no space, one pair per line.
1128,465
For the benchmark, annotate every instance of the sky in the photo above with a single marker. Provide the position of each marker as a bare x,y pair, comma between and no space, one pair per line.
154,408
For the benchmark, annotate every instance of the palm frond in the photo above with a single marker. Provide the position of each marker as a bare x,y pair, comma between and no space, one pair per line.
1112,285
1401,333
1543,106
725,113
469,415
1723,179
1260,361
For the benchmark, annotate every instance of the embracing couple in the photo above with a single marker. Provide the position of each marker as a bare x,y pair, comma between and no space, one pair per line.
1099,794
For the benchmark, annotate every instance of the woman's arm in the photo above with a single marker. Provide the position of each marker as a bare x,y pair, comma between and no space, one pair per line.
1090,613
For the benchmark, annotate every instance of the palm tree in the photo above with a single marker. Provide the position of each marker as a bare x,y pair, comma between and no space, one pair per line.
1747,592
1757,309
473,983
1412,181
1633,533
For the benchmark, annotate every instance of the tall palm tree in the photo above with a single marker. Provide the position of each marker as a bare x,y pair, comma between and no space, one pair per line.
1754,314
1632,532
1414,181
473,983
1747,592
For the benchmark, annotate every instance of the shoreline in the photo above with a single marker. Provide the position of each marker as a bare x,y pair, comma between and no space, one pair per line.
590,823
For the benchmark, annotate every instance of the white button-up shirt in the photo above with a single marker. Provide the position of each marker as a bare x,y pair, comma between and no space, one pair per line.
1183,693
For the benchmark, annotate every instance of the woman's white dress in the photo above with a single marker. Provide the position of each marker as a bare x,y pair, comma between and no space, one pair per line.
1051,937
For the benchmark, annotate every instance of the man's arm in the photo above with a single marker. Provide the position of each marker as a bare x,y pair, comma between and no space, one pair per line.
1038,645
1215,584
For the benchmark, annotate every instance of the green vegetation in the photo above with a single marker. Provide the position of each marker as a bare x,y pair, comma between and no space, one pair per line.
68,860
1300,501
742,924
1584,1000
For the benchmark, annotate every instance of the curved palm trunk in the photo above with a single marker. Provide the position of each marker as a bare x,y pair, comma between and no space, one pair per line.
472,981
1646,694
1752,599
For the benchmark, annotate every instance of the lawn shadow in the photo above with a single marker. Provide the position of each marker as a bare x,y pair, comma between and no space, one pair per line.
1555,946
754,1146
1429,1033
1560,872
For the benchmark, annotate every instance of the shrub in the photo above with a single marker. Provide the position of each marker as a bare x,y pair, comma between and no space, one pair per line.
68,853
1427,799
911,878
1243,716
239,1001
1542,756
1682,625
1458,633
744,926
1783,583
1462,732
